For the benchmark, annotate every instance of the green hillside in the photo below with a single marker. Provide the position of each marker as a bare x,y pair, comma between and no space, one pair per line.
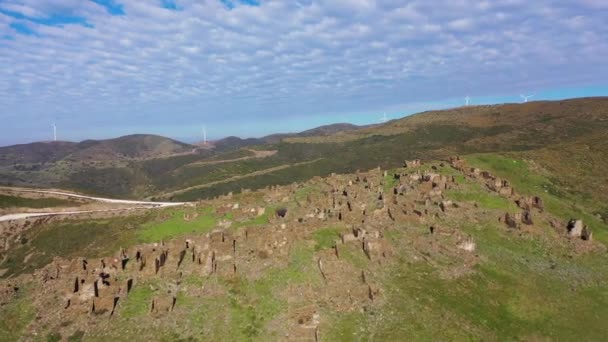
526,283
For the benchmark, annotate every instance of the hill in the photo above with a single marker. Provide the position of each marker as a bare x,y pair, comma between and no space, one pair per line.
534,131
139,146
495,227
533,127
35,153
438,251
232,142
330,129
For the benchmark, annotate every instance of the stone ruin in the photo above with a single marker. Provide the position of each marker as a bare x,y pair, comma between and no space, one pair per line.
529,203
359,203
516,220
411,163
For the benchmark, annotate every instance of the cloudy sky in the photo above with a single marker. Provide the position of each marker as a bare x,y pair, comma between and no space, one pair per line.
104,68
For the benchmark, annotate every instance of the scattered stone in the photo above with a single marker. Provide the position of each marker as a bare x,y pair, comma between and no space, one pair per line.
467,245
586,234
526,218
512,220
411,163
444,205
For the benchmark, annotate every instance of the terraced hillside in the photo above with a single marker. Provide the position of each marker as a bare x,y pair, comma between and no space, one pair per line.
480,247
528,131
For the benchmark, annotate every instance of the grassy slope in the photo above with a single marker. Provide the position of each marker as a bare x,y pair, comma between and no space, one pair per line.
431,135
22,202
560,199
577,126
96,238
528,287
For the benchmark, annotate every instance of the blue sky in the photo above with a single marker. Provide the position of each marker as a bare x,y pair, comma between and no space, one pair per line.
105,68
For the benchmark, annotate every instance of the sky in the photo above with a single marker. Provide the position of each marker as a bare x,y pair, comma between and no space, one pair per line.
106,68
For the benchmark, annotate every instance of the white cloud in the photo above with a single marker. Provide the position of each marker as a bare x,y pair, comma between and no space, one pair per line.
284,57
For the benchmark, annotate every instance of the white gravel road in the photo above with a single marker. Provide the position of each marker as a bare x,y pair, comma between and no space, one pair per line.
136,205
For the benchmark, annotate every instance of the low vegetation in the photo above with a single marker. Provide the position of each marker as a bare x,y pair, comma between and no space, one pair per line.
559,200
178,223
23,202
531,283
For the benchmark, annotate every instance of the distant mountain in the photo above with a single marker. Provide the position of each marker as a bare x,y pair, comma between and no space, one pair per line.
539,130
318,131
232,142
139,146
39,152
128,147
329,129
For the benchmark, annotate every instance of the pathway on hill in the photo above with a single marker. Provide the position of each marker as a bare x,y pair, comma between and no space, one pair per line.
256,154
237,177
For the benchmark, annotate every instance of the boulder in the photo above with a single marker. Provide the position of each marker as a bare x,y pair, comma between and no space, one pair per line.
575,228
526,218
348,237
512,220
586,234
444,205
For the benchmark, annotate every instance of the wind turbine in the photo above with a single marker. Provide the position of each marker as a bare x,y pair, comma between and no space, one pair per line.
467,99
384,118
204,135
526,97
54,132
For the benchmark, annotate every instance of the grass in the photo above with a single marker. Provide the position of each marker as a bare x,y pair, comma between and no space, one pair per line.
256,221
16,316
176,226
96,238
69,239
390,181
325,238
301,194
513,294
22,202
246,307
558,201
254,303
138,301
475,193
346,327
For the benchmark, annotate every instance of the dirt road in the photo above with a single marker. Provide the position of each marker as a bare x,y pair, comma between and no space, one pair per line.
136,205
256,155
237,177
